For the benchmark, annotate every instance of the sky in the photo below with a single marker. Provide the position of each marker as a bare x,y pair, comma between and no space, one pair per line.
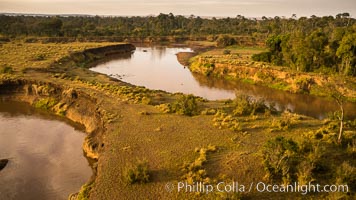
218,8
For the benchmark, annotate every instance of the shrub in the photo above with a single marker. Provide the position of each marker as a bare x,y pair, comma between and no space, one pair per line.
138,173
222,120
194,171
262,57
165,108
242,105
208,68
207,111
6,70
226,52
279,160
40,57
310,156
303,85
282,124
186,105
225,40
346,174
245,105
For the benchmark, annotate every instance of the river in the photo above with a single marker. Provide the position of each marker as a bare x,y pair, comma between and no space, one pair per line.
45,154
157,67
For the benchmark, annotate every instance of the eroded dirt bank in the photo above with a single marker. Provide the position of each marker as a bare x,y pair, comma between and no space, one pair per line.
65,101
237,67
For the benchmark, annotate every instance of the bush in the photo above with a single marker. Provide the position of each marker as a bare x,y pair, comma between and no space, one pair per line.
207,111
282,124
40,57
225,40
194,172
208,68
262,57
245,105
186,105
223,120
346,174
303,85
279,160
226,52
138,173
6,70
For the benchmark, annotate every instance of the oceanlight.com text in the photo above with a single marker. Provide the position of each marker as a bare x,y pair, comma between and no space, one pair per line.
236,187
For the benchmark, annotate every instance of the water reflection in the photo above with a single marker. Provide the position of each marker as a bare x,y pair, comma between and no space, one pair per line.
157,67
305,104
46,157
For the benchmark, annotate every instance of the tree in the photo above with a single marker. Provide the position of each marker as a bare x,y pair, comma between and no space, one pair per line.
51,27
340,99
225,40
347,53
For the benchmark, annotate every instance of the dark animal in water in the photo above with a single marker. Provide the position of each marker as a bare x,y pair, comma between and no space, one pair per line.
3,163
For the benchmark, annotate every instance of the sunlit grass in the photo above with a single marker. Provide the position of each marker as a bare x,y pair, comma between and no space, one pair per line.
19,55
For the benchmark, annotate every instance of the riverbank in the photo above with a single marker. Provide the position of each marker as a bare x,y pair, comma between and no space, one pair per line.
235,63
126,123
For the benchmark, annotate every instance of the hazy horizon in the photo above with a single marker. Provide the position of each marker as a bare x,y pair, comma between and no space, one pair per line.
218,8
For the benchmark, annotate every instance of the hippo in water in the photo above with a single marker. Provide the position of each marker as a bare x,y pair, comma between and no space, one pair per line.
3,163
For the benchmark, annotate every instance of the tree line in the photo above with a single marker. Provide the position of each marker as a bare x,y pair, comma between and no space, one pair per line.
165,25
325,44
330,50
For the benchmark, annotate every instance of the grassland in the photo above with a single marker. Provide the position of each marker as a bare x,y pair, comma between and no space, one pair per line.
223,143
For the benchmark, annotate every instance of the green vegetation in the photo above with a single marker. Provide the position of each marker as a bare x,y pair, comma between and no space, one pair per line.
245,105
225,40
165,25
40,57
184,105
320,50
138,173
84,192
45,103
254,141
226,51
279,159
194,172
223,120
6,70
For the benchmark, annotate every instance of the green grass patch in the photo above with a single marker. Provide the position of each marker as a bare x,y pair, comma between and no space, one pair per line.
280,86
248,80
45,103
84,192
246,48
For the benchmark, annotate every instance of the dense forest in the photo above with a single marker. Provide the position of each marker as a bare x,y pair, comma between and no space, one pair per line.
320,44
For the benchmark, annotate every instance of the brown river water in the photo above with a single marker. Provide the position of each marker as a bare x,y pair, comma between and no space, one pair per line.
157,67
45,155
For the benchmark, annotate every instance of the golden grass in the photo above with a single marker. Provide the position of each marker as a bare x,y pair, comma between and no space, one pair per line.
20,55
166,141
